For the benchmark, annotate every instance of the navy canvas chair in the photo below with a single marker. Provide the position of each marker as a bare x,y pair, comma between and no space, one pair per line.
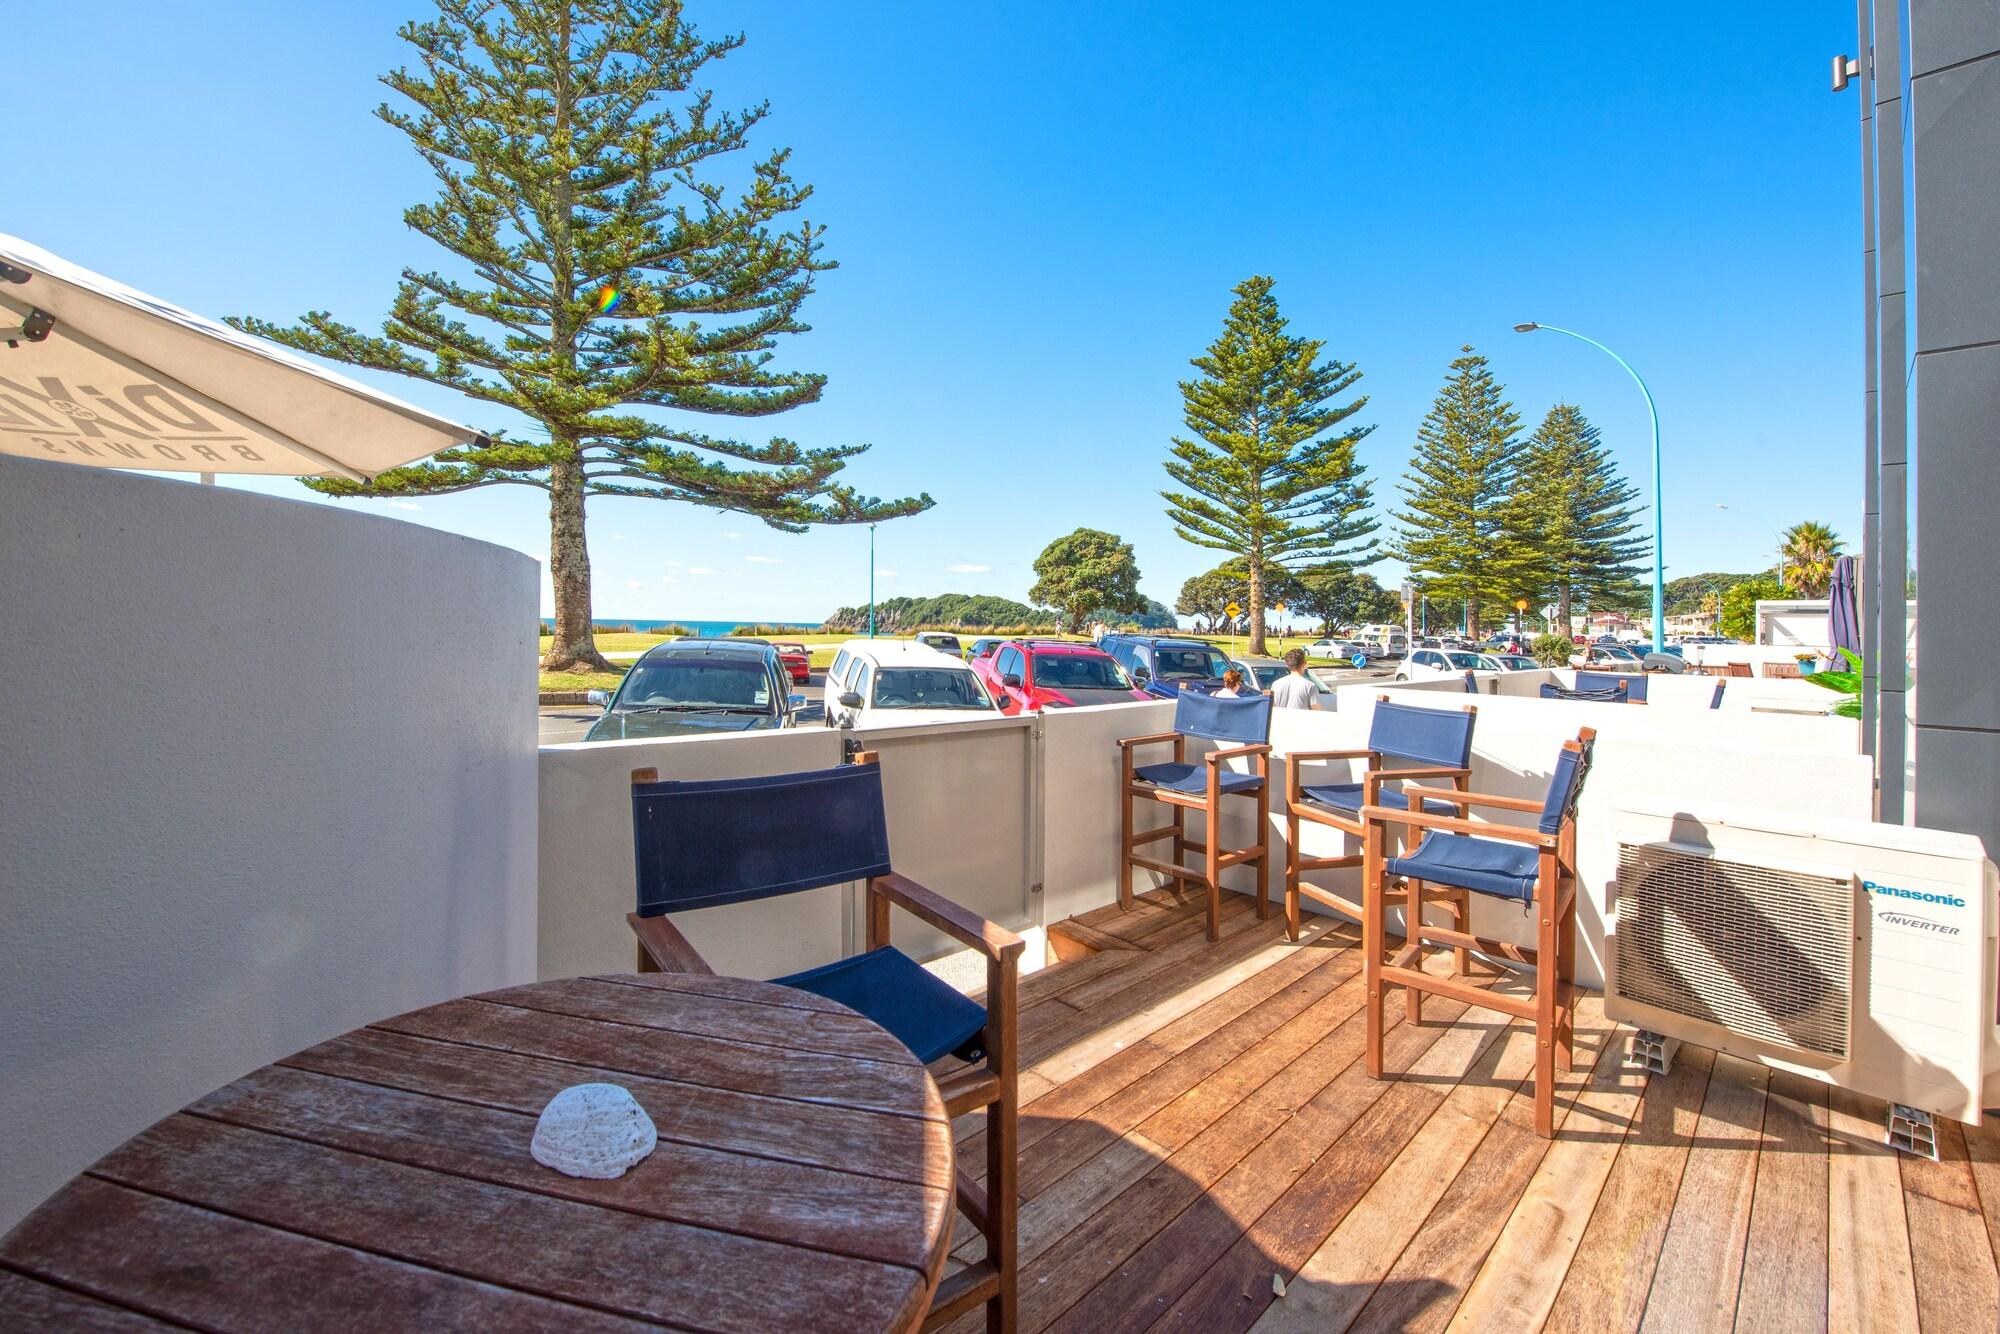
1634,683
700,844
1404,742
1200,787
1612,694
1534,867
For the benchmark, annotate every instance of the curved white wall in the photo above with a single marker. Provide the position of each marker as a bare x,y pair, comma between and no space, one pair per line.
267,772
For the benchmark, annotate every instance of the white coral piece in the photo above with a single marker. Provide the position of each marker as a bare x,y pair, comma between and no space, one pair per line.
593,1130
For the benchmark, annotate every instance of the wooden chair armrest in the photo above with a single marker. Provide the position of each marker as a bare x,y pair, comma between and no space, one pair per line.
1506,833
995,942
1218,756
1315,756
1528,804
1156,738
1372,781
662,942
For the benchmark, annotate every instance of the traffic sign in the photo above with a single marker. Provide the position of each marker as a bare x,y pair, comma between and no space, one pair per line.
1233,610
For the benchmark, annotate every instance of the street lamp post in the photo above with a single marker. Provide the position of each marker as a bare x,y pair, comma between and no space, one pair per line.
871,581
1659,559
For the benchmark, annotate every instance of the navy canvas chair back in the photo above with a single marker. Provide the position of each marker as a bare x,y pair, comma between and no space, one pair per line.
1471,686
1635,683
1715,700
1441,737
1566,784
698,844
1245,720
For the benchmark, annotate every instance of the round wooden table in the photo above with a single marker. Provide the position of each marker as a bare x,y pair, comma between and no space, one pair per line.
802,1180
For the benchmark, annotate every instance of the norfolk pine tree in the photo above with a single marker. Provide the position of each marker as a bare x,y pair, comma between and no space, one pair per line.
602,272
1455,495
1572,531
1265,480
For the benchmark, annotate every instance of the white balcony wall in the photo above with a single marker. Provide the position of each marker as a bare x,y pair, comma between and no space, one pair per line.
268,776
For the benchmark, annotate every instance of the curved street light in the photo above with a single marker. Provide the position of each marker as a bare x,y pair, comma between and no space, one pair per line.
1659,563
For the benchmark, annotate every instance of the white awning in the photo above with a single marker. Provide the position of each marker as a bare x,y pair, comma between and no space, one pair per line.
96,373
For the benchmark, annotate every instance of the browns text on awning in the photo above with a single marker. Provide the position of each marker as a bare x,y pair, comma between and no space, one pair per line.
94,372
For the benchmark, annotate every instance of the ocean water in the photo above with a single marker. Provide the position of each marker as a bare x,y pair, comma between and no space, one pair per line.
715,628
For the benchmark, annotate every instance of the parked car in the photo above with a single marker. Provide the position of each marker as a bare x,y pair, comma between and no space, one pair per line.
942,642
691,687
983,647
797,661
1430,664
1336,650
1165,664
1608,655
901,681
1511,662
1026,675
1259,674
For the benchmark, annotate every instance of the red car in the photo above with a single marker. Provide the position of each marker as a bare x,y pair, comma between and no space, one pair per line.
797,661
1026,675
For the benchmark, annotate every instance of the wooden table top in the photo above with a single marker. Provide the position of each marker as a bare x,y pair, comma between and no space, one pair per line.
382,1179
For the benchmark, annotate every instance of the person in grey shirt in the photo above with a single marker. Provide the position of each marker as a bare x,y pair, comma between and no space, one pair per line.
1296,690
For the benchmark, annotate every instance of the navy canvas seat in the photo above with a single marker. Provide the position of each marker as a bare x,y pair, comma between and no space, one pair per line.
888,986
1191,778
1503,869
1611,695
1406,742
710,842
1535,867
1348,796
1242,727
1634,683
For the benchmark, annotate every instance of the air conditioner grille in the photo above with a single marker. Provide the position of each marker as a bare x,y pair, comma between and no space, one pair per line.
1762,951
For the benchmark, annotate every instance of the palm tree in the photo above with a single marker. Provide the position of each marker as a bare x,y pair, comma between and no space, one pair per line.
1809,552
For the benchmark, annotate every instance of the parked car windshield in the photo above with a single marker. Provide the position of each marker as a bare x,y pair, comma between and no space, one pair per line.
1079,671
1266,677
1466,662
1189,664
927,688
696,683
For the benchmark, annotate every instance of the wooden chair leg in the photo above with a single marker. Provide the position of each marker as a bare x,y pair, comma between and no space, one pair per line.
1461,957
1125,846
1263,854
1003,1160
1413,931
1212,869
1546,987
1566,988
1372,943
1291,873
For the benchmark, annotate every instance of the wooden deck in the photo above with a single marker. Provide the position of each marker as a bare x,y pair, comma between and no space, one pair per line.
1197,1121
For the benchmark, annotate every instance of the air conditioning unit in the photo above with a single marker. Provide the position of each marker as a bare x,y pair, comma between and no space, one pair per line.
1857,953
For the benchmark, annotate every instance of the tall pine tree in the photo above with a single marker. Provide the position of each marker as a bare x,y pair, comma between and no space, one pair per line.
602,270
1573,534
1268,477
1455,495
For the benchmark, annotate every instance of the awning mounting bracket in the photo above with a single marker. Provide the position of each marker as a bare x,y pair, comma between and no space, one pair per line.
33,329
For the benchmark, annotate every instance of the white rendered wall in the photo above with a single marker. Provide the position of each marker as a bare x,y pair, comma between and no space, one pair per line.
269,775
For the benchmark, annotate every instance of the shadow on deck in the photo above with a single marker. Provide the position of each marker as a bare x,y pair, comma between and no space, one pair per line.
1199,1134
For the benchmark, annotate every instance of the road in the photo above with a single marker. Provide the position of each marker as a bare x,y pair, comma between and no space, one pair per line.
568,722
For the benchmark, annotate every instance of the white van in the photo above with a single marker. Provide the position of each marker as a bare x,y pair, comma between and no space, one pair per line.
1388,641
899,681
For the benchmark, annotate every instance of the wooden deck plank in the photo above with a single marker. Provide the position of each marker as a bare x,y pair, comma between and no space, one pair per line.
1183,1272
1957,1288
1435,1270
1701,1262
1069,1269
1612,1272
1785,1259
1337,1280
1872,1285
1982,1149
1517,1283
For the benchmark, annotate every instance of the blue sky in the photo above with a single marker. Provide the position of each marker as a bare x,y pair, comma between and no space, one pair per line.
1039,213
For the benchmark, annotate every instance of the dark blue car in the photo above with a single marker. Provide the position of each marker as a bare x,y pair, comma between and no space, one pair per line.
1165,665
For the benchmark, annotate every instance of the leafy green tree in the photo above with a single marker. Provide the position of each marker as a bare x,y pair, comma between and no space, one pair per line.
1207,596
1153,616
1455,495
1691,593
1268,477
603,269
1739,605
1809,552
1334,595
945,611
1085,572
1570,528
1552,649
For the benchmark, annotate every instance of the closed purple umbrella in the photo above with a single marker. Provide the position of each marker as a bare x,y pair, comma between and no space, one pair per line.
1843,619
